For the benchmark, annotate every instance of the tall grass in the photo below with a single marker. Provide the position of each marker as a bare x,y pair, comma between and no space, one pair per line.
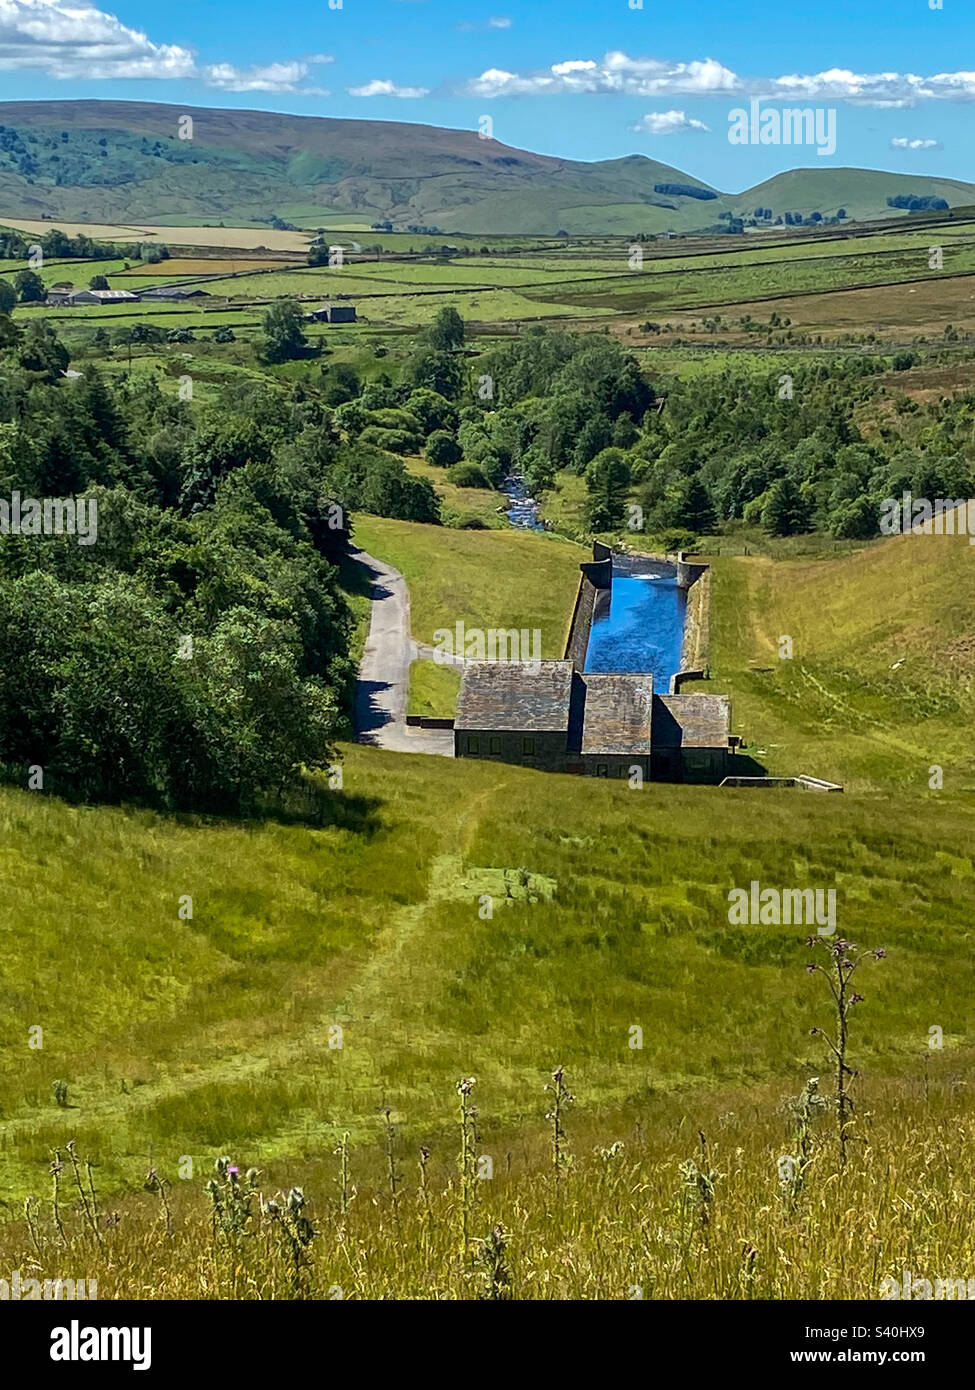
684,1203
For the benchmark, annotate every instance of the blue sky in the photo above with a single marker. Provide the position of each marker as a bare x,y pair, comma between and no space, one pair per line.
588,79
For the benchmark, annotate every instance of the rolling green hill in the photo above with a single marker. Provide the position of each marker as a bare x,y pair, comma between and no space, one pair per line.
880,687
862,192
122,162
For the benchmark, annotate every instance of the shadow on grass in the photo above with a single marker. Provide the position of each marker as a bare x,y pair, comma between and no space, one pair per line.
318,805
744,765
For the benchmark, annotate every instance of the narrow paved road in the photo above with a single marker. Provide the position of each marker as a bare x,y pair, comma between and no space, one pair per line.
382,689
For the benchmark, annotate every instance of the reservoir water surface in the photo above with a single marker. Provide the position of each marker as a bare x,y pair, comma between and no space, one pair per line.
638,625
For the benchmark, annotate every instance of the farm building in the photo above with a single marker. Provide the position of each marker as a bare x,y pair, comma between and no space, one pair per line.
333,313
172,293
94,297
551,716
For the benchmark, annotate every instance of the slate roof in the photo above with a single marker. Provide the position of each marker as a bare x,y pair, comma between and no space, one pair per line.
617,714
691,721
515,696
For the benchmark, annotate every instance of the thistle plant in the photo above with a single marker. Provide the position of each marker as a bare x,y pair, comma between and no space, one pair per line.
491,1263
467,1158
87,1206
844,960
389,1144
346,1190
154,1183
286,1215
698,1182
805,1109
231,1215
561,1100
57,1168
29,1205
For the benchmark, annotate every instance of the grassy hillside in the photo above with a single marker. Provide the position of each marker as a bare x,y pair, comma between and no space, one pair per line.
862,192
882,682
211,1035
111,162
487,579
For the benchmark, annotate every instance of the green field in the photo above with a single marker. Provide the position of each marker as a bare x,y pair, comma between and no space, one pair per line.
433,690
210,1035
823,282
879,689
478,577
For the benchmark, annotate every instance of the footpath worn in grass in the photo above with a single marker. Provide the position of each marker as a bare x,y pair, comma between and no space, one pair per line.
485,579
610,909
880,689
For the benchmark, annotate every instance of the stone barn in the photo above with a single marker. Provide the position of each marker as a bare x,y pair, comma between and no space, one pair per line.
551,716
515,712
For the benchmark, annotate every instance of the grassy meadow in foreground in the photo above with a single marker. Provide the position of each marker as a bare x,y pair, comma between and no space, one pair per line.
189,1036
745,1200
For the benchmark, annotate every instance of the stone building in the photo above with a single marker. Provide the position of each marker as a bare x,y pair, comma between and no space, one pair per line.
333,313
515,712
558,719
556,716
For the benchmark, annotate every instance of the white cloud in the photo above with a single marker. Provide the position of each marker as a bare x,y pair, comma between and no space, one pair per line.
382,87
667,123
500,21
272,77
619,73
900,142
73,39
615,72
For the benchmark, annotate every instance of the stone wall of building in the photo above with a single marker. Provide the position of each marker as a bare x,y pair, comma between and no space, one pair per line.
615,765
538,750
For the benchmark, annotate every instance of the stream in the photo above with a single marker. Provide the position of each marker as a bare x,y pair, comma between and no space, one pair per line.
522,510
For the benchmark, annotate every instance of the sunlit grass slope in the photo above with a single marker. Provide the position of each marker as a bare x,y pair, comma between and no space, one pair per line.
881,684
181,1035
486,579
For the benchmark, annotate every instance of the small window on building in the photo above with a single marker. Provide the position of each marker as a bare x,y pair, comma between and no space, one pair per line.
473,744
602,770
495,744
528,747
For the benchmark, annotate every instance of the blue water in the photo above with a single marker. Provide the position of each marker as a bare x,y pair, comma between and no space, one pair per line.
523,510
638,626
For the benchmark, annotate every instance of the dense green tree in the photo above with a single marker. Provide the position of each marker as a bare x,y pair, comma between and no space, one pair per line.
786,512
42,351
447,332
468,475
433,411
607,484
282,337
341,384
439,372
30,287
443,449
